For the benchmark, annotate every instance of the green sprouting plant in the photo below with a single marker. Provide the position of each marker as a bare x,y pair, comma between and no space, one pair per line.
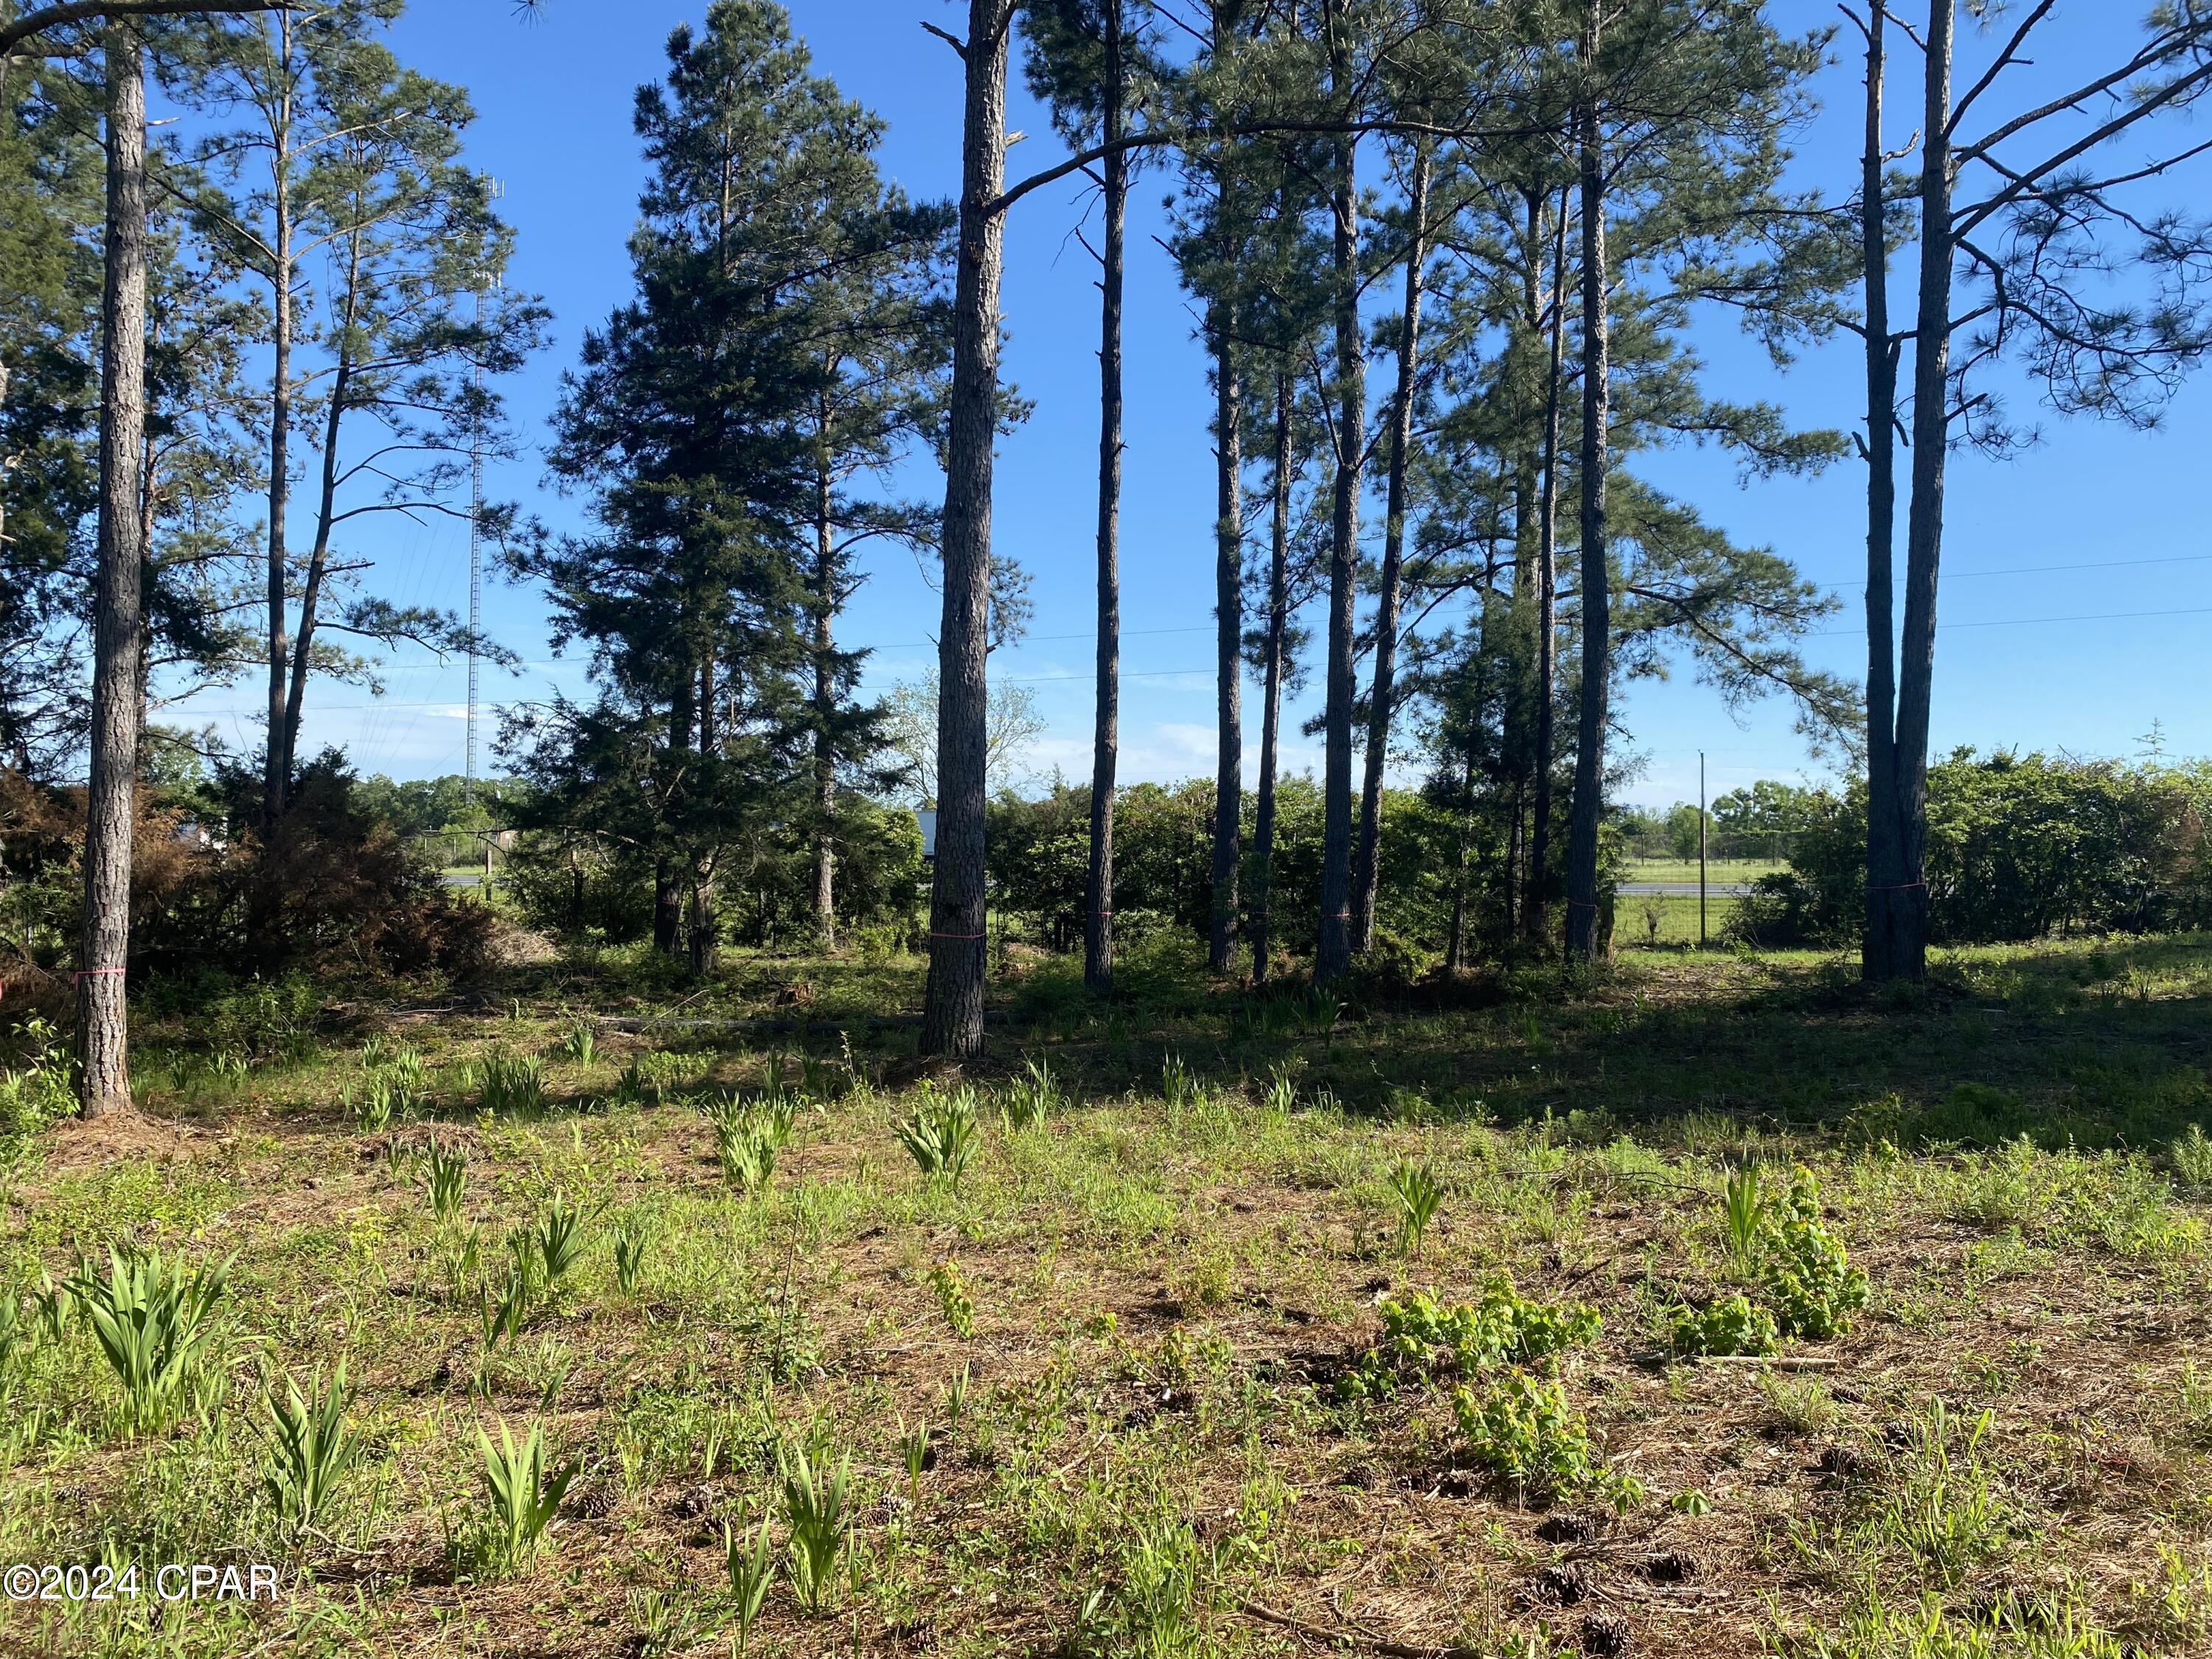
1733,1325
311,1449
1178,1087
447,1173
579,1043
634,1236
156,1326
524,1494
750,1566
939,1133
667,1620
1418,1193
1804,1271
230,1068
958,1307
914,1451
1032,1097
814,1508
2191,1157
1280,1096
1743,1211
747,1156
371,1109
776,1113
1504,1325
956,1398
510,1085
556,1238
1524,1432
501,1318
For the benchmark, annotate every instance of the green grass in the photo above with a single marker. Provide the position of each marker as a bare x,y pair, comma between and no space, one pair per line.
1127,1380
1718,871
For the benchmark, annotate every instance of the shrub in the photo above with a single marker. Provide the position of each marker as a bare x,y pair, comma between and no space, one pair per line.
1504,1327
1524,1432
1732,1325
41,1093
1805,1272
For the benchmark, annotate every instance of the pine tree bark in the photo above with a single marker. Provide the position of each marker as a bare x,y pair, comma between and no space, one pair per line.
1228,639
1259,930
275,780
103,1031
1583,917
1367,867
1332,953
1105,738
1536,913
825,709
952,1016
1897,890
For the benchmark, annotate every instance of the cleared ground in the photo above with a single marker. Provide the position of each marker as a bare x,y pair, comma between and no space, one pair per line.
1127,1385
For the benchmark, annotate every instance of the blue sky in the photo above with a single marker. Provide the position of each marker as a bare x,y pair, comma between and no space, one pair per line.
2097,522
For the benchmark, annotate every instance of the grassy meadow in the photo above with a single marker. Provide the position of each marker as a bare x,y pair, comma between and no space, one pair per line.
1716,1308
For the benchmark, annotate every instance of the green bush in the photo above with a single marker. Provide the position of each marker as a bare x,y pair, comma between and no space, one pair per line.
1524,1432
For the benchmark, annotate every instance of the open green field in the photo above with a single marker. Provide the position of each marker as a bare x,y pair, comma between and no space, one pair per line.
1152,1371
1717,870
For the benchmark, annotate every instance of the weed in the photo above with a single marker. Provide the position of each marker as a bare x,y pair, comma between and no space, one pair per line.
1418,1193
751,1567
1178,1087
940,1134
1732,1325
1802,1405
953,1298
311,1449
914,1451
634,1237
956,1398
525,1495
580,1044
556,1238
446,1174
2191,1157
1804,1271
1504,1325
157,1327
666,1621
814,1507
1524,1432
1743,1211
510,1085
1032,1098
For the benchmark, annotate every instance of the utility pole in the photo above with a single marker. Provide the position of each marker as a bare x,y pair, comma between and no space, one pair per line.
1701,849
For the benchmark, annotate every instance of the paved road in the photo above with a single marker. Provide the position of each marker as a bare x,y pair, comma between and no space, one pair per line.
1683,890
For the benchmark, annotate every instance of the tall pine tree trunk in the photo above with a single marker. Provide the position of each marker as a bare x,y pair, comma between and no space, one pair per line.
1583,918
952,1019
825,711
1367,871
1885,845
1332,954
1105,740
1535,915
104,1083
1897,894
1271,710
1228,639
275,780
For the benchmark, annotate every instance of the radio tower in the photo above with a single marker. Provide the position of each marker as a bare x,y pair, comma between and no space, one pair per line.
494,190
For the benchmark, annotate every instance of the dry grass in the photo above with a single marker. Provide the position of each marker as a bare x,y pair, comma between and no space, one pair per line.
1155,1455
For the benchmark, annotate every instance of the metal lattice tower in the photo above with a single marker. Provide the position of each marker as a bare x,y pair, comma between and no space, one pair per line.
476,553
